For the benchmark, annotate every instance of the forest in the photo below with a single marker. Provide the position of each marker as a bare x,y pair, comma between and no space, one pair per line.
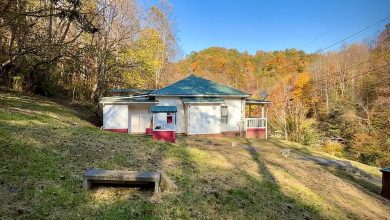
77,49
336,101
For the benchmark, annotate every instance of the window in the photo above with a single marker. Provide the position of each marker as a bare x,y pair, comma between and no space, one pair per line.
224,114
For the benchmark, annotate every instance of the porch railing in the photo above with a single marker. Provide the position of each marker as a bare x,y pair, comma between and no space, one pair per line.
255,123
167,126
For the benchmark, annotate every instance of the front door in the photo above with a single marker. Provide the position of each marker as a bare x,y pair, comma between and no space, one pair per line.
139,118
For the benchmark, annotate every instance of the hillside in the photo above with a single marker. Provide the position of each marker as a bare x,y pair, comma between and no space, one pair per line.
46,146
336,100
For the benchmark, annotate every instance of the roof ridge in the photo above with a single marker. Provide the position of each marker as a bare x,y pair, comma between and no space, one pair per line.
230,87
190,82
174,83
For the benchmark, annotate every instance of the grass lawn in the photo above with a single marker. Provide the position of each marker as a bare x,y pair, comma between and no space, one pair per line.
45,147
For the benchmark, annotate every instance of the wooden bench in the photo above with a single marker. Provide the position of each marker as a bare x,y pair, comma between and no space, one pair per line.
120,177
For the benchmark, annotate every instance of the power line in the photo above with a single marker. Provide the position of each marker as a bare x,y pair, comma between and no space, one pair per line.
364,73
354,34
352,77
347,68
340,71
331,28
346,38
348,78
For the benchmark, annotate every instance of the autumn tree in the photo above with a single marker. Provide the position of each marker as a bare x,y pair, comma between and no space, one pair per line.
80,49
37,35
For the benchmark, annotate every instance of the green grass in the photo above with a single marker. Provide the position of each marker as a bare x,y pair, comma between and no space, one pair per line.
45,147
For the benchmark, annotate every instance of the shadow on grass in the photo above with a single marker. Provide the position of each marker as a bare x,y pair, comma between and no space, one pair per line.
347,172
376,189
38,106
45,181
213,193
85,112
51,175
179,204
42,167
272,196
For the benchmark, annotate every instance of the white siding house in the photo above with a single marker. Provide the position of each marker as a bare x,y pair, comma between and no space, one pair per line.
203,107
204,119
115,116
235,114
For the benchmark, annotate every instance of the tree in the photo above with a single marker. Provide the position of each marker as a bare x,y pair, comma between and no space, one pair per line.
78,48
36,35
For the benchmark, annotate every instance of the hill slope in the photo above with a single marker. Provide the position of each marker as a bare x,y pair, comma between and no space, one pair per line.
45,147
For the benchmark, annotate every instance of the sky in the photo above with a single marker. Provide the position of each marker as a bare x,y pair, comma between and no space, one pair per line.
251,25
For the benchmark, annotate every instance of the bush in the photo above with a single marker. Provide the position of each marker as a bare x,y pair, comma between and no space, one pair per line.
370,158
310,134
17,84
372,148
334,148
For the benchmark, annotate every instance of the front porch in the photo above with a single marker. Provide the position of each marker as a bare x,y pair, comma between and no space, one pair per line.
255,123
256,128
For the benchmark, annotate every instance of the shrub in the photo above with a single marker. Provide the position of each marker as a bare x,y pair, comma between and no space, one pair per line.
310,135
372,148
334,148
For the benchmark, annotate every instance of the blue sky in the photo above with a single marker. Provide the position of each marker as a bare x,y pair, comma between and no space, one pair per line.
250,25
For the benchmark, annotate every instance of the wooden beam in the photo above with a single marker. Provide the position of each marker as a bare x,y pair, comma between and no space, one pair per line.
119,176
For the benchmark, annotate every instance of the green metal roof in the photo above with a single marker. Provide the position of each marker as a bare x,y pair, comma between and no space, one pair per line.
198,86
136,91
126,100
385,170
161,108
188,100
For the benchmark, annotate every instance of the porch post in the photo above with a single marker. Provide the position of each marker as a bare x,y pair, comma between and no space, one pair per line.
262,111
153,121
188,119
174,121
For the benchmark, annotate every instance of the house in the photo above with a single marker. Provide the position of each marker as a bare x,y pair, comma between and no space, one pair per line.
192,106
